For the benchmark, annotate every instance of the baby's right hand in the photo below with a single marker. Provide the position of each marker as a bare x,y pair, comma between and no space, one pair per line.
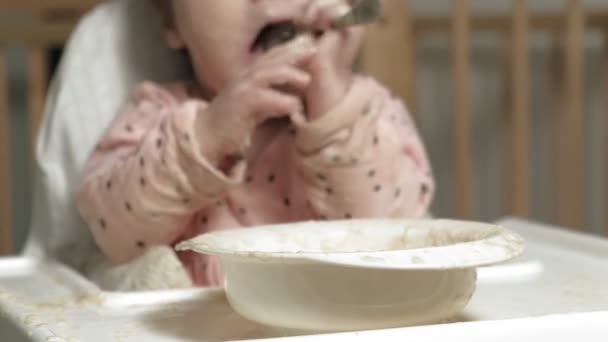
257,95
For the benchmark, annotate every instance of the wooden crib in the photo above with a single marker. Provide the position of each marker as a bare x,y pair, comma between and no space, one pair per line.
388,54
401,26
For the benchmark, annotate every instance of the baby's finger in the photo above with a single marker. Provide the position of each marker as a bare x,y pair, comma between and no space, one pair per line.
341,47
283,76
330,46
270,103
294,52
353,39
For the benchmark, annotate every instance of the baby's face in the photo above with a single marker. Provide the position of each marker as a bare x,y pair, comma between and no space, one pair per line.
220,35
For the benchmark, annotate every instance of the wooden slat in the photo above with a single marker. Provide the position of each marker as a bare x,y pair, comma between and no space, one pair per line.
571,199
598,19
35,31
6,236
520,86
45,6
389,51
558,91
507,119
37,85
461,68
39,30
605,117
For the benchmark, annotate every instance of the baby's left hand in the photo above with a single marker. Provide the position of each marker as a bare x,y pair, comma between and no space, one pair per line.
331,68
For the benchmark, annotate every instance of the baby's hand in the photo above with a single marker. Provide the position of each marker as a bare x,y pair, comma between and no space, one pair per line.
331,67
255,96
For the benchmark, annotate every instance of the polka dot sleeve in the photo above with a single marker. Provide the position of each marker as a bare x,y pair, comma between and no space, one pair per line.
364,158
148,177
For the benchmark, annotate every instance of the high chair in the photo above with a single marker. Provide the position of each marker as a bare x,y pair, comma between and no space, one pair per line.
114,48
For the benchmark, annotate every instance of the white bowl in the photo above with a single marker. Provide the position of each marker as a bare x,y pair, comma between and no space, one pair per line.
355,275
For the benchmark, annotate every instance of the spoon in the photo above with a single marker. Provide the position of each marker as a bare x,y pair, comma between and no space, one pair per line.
362,12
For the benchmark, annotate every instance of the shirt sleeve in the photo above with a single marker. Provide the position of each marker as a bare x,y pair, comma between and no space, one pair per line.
147,177
364,158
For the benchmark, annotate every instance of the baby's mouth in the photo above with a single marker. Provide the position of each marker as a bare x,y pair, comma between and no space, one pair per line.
275,34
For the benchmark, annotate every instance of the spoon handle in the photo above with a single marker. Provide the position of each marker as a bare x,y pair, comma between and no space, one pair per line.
362,12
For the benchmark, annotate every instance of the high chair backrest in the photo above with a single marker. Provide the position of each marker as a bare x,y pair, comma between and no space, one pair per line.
114,47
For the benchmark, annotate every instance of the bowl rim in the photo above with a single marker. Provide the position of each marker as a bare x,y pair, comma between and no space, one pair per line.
499,247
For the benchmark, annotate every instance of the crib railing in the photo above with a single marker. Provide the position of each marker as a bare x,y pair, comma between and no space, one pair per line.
388,54
6,236
395,67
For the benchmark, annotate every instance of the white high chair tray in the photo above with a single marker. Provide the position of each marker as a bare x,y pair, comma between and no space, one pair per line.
557,290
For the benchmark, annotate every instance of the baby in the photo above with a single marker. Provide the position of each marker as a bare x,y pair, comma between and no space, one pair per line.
262,135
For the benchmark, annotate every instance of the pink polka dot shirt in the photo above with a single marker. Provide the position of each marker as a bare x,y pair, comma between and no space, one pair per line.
147,183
